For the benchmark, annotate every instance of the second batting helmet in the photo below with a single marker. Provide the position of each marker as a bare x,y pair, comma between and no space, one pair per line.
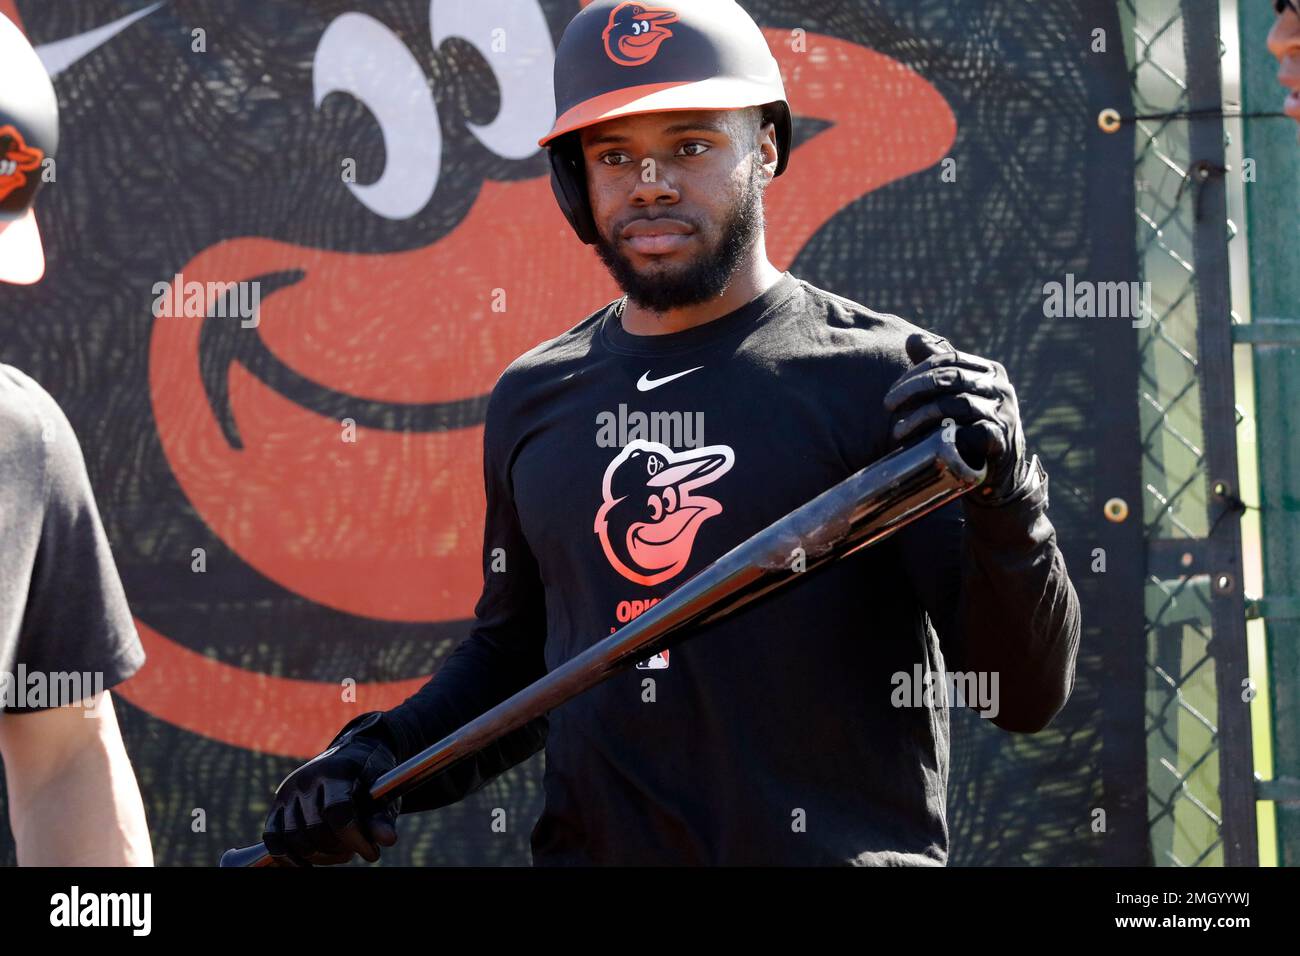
622,58
29,135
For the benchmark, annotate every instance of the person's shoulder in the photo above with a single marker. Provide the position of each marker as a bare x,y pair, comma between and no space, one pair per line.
29,415
546,365
843,311
548,361
882,334
560,351
37,442
23,401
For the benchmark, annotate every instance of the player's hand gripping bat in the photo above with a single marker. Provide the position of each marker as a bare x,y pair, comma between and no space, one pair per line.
862,509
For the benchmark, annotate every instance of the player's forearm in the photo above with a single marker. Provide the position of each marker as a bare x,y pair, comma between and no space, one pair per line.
1020,612
83,809
476,677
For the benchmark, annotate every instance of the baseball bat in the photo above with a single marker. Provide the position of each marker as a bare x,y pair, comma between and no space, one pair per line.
864,508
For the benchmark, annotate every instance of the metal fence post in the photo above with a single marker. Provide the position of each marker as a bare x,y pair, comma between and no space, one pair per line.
1273,208
1214,342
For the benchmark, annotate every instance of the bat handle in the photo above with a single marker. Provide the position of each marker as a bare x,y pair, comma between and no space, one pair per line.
255,855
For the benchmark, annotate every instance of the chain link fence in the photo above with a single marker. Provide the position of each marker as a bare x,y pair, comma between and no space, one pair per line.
1186,744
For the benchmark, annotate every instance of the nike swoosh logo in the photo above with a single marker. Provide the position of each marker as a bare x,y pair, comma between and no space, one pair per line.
645,383
58,55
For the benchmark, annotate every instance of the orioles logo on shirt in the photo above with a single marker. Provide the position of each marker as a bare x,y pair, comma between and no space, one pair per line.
650,515
635,32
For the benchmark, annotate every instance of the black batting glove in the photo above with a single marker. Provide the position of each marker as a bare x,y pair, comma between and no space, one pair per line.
977,396
322,812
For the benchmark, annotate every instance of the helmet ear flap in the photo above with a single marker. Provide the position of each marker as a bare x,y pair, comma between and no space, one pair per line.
569,183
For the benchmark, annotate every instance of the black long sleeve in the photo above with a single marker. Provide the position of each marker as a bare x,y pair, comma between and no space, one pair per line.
502,654
995,585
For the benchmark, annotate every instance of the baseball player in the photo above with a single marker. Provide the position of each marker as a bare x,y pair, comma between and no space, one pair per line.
66,633
715,396
1284,43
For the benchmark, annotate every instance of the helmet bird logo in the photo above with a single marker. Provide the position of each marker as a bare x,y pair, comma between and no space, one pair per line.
16,159
635,33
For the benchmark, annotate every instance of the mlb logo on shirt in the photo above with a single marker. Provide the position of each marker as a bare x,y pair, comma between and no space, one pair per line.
657,663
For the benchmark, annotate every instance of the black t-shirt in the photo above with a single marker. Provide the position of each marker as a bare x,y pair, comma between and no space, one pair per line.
618,465
65,627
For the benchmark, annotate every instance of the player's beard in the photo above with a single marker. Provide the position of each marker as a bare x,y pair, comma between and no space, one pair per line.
704,278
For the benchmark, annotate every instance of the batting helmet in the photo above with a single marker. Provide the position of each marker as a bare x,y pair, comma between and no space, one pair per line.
623,58
29,134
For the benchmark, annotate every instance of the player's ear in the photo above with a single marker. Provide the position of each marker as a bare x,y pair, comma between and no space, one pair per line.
769,152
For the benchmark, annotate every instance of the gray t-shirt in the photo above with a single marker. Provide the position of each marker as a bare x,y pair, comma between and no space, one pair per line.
65,626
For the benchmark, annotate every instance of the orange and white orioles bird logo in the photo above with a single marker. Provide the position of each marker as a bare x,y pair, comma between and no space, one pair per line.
650,515
635,32
16,160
